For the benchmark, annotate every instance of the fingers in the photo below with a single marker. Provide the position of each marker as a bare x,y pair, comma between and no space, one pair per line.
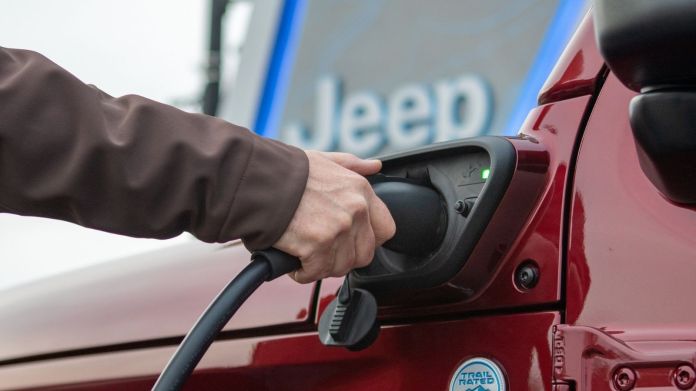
365,244
352,248
381,221
354,163
334,263
312,269
305,274
344,257
339,220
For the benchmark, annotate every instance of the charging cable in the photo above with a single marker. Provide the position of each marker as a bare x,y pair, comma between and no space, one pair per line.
266,265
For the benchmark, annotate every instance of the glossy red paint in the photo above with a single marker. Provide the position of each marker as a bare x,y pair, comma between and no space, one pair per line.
419,357
631,262
593,360
632,254
576,72
150,296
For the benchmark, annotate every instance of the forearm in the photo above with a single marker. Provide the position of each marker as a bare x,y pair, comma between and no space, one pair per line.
133,166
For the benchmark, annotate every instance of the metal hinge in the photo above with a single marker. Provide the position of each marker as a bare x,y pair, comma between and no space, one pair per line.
587,359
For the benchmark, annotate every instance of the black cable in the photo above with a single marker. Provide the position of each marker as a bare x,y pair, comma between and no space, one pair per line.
266,265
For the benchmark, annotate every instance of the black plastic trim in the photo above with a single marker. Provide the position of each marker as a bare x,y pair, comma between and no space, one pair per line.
458,244
664,126
648,43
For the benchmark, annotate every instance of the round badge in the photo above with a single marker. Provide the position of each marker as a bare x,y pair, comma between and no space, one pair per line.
478,374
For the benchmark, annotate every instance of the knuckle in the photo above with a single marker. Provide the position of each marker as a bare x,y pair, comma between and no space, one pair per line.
319,238
344,222
368,245
356,181
362,183
304,252
362,209
385,228
295,248
370,241
357,206
326,240
366,258
313,235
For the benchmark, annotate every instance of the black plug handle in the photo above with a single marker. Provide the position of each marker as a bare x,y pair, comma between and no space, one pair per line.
418,211
280,262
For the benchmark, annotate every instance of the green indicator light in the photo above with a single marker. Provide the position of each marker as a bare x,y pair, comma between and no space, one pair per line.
485,173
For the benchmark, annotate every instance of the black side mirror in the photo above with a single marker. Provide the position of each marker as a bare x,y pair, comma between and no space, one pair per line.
648,45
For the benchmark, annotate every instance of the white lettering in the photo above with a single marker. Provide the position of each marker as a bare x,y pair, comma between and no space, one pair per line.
324,136
416,115
410,117
361,124
464,108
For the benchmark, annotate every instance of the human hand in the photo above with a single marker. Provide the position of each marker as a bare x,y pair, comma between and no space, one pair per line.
339,221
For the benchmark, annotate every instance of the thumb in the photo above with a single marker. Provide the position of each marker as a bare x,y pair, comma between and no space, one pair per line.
354,163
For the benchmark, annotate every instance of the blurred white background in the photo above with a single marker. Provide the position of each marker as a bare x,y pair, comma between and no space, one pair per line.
154,48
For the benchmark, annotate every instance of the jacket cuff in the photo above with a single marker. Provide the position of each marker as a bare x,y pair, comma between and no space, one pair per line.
268,194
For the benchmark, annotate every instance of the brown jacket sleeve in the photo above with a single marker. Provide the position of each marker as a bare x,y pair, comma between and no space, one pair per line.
136,167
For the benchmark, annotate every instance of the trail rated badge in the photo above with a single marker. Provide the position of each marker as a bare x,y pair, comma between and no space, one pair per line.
478,374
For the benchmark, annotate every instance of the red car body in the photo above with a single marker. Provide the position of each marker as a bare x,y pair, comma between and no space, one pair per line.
617,263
